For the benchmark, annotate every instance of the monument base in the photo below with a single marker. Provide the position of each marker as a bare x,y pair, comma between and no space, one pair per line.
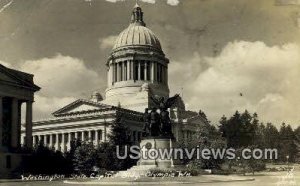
147,146
151,149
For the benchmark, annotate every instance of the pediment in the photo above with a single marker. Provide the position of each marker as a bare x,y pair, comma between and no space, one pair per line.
5,77
11,76
80,106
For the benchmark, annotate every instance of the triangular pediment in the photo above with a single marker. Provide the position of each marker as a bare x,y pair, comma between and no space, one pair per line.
11,76
80,106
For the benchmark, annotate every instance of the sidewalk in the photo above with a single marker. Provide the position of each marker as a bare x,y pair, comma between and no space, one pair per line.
157,181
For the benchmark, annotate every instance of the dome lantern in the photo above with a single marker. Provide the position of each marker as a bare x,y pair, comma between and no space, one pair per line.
137,15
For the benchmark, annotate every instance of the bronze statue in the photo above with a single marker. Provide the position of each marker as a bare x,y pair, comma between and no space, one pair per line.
147,121
154,123
164,104
160,124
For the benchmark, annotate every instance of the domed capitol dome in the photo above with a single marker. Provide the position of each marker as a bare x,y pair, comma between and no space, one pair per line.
136,58
137,33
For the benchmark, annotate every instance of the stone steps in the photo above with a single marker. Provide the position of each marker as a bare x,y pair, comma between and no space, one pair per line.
135,170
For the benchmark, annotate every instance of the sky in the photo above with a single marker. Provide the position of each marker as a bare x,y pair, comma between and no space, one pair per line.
231,55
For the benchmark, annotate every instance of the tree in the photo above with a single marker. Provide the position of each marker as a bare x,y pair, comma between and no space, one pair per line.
119,132
118,138
287,146
206,136
239,130
249,165
46,161
85,158
271,136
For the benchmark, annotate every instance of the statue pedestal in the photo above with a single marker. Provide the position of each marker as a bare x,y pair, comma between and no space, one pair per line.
151,150
144,165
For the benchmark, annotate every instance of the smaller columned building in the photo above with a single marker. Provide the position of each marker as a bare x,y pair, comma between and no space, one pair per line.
16,89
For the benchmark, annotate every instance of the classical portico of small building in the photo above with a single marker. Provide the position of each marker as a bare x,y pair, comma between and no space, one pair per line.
16,89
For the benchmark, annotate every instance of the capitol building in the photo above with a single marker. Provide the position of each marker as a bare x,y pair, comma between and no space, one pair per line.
137,69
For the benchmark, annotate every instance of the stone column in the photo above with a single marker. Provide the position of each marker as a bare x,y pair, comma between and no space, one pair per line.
109,80
45,141
128,69
56,141
111,70
14,123
104,135
90,136
123,70
139,70
82,136
41,138
118,71
69,141
132,69
1,120
63,142
28,124
97,137
152,72
76,135
51,141
145,70
155,71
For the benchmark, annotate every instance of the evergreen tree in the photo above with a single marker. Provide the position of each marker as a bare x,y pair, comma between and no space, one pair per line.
287,147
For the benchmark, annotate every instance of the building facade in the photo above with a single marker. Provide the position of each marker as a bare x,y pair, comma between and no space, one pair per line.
137,70
16,88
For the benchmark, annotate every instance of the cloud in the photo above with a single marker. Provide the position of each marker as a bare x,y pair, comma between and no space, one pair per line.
148,1
267,76
5,64
108,42
62,79
6,6
287,2
170,2
173,2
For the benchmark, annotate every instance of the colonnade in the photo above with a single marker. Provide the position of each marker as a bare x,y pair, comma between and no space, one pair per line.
138,70
10,122
62,140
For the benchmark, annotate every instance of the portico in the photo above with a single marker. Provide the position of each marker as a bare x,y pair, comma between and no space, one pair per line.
16,89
